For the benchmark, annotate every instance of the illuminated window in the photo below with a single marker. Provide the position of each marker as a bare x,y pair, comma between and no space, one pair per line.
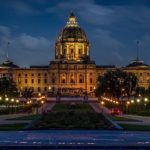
63,81
71,81
71,51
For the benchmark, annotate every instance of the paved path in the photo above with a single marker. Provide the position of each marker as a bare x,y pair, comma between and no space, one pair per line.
75,137
3,118
99,108
46,107
141,120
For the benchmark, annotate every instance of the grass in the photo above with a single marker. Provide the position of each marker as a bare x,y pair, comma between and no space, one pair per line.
12,127
118,118
76,116
29,117
134,127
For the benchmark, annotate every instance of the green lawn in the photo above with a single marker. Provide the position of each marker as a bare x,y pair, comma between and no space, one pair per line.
118,118
29,117
134,127
12,127
76,116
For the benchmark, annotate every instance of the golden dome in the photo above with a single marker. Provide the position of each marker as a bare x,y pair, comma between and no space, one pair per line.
72,31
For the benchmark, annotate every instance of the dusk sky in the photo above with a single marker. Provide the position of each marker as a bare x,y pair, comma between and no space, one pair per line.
112,27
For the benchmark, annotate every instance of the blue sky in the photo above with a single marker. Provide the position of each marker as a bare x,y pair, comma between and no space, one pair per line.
112,27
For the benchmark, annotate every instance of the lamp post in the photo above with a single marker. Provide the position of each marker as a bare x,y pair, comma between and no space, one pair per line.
102,103
145,102
127,106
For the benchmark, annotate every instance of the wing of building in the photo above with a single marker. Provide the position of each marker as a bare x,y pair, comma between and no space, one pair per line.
72,71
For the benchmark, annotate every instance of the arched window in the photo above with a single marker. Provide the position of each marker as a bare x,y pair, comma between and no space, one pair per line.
72,80
71,51
91,81
63,80
79,51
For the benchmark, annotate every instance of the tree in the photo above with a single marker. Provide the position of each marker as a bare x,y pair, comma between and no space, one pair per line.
117,84
8,88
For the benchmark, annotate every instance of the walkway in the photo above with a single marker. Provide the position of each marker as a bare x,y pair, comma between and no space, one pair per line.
99,108
141,120
46,107
4,119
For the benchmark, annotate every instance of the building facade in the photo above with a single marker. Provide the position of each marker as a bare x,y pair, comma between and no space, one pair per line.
72,71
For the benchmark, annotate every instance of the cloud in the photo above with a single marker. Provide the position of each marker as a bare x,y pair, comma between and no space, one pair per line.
25,49
4,30
23,7
106,47
87,10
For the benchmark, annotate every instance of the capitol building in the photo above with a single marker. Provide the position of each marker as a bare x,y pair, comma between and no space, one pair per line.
72,71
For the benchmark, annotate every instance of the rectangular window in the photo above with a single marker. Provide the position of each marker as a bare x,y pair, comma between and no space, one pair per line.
32,81
26,81
45,89
39,81
39,89
45,81
91,88
91,80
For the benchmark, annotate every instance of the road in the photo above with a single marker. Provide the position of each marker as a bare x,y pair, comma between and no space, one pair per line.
75,137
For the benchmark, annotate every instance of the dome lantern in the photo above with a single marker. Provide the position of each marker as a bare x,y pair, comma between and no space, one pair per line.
72,21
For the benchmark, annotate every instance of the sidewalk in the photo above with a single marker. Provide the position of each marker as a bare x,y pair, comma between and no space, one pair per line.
141,120
4,119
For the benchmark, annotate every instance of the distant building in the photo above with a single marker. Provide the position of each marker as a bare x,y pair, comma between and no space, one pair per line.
72,71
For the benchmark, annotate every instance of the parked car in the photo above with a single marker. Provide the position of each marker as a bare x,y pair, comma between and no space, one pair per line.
116,111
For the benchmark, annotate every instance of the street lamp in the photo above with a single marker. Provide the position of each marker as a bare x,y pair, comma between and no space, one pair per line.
138,100
12,100
6,99
0,98
17,101
146,99
102,103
